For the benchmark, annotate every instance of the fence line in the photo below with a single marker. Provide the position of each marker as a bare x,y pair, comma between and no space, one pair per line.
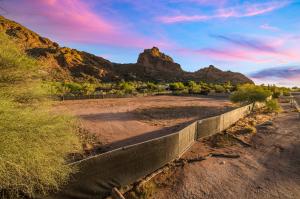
107,96
120,167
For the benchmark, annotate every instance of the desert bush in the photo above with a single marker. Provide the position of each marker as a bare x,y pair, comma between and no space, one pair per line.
34,143
286,93
250,93
176,86
205,90
88,88
193,87
277,93
152,87
273,106
127,87
229,87
219,89
74,87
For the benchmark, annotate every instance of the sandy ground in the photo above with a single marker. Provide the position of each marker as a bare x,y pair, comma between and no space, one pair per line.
118,122
270,168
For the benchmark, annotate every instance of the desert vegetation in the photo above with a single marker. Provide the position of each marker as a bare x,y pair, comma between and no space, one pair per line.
123,88
240,93
34,142
250,93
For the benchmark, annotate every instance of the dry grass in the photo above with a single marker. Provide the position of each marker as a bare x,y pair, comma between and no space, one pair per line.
34,143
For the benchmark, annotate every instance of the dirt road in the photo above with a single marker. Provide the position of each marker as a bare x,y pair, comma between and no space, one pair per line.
123,121
268,169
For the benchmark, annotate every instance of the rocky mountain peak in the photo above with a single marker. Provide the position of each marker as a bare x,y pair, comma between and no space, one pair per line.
153,59
149,56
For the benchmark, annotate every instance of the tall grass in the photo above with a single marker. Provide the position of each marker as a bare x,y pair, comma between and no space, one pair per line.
34,142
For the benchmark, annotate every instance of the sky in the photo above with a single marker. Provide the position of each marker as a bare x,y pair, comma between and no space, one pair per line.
260,38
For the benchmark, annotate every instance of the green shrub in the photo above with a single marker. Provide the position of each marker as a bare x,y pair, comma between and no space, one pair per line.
127,87
250,93
176,86
219,89
277,93
286,93
74,87
88,88
151,86
193,88
228,87
273,106
34,142
205,90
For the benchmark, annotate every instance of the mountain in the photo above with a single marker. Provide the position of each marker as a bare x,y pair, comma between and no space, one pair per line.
215,75
71,64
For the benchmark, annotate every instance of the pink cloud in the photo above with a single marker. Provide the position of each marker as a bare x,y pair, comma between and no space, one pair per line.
246,10
216,3
246,55
239,49
75,21
269,27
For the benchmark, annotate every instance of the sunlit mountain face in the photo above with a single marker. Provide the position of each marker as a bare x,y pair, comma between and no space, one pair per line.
258,38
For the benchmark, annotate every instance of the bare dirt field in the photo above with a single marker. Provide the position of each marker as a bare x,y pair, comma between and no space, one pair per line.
123,121
268,168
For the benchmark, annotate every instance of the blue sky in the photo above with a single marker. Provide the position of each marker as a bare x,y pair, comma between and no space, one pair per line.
252,37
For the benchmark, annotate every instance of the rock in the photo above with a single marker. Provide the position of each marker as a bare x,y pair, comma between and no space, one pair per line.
267,123
158,60
153,55
87,146
222,162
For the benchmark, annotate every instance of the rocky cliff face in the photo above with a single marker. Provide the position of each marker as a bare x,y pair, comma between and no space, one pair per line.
71,64
156,59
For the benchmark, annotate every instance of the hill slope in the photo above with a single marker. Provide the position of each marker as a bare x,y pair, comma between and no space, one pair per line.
71,64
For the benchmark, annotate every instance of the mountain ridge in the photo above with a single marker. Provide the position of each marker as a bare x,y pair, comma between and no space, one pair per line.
74,65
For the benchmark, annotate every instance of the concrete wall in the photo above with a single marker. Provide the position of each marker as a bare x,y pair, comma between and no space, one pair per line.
99,174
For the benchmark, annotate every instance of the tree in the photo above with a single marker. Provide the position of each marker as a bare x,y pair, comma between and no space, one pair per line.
250,93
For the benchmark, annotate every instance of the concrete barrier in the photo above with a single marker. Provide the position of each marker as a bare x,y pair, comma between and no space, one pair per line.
99,174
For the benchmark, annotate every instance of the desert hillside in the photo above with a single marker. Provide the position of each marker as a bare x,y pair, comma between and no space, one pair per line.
71,64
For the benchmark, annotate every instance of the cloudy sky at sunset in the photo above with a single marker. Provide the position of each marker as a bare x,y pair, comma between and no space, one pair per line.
258,38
